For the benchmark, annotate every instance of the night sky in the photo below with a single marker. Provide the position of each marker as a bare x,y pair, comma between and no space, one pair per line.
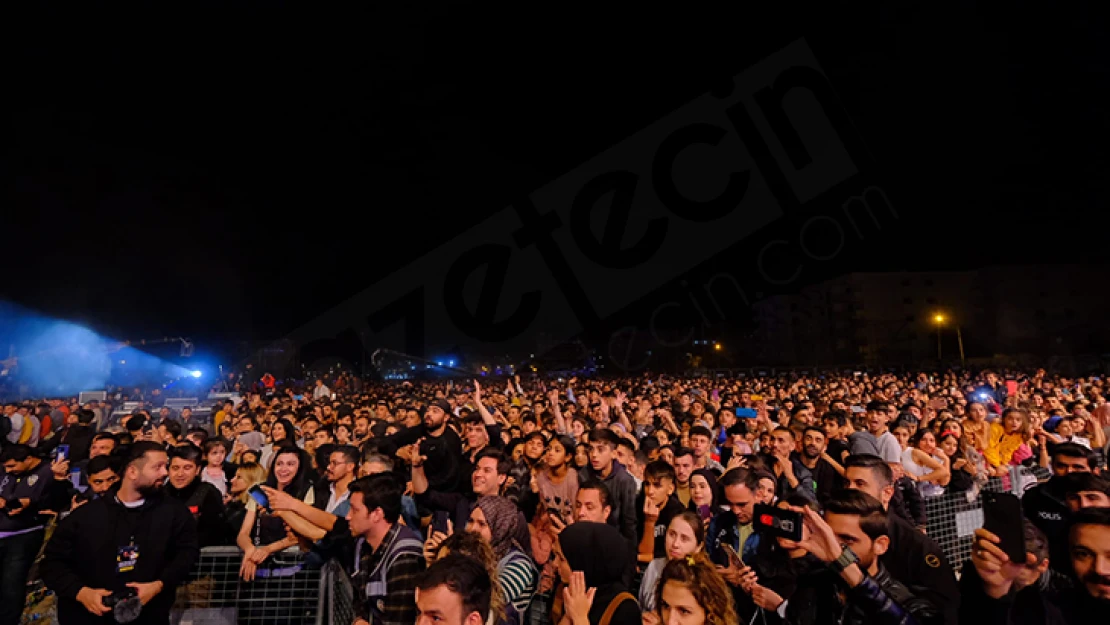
229,174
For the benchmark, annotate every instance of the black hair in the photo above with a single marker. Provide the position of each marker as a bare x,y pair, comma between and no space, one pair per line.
701,430
213,443
464,576
607,436
504,463
873,463
187,452
1073,450
102,463
1073,483
659,470
783,429
85,416
839,416
813,428
350,452
301,482
380,491
105,436
683,451
173,428
138,451
872,516
877,406
626,442
649,444
602,491
19,453
739,476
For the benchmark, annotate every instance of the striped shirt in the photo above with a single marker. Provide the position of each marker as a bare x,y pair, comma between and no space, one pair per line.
517,575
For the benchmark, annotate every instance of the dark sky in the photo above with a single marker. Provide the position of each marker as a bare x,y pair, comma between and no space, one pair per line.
223,173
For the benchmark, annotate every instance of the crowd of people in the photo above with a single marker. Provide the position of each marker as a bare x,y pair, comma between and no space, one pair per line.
607,501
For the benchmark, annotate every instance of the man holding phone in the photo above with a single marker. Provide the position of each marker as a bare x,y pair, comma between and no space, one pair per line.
993,592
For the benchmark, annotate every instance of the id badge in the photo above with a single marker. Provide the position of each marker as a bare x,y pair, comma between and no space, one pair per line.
126,558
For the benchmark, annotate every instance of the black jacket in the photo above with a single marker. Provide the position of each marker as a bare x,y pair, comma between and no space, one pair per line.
207,506
1028,606
82,553
1044,506
821,597
916,560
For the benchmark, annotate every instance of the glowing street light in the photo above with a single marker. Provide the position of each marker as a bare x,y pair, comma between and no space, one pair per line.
939,318
717,347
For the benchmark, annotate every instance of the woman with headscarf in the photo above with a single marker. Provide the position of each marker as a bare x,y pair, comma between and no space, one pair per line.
593,557
704,495
501,523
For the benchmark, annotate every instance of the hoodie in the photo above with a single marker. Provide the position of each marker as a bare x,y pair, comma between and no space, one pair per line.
622,495
83,552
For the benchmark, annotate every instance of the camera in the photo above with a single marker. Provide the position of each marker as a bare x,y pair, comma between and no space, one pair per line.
114,599
778,522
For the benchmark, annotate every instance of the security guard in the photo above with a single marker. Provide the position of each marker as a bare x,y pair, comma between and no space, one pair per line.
134,541
24,488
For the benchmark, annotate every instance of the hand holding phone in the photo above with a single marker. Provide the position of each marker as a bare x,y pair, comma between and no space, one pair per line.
61,453
260,497
1002,517
439,521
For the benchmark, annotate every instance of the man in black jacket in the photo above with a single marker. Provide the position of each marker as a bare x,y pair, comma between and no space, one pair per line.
1045,506
201,498
137,539
993,585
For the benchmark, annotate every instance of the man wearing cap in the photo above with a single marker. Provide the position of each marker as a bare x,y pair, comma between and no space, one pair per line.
439,444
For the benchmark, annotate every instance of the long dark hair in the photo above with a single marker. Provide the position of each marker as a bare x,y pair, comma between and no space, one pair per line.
302,481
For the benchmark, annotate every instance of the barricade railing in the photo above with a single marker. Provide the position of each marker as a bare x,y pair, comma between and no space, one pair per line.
951,519
285,591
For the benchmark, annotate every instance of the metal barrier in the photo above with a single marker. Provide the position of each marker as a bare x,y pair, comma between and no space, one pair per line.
285,591
341,595
951,519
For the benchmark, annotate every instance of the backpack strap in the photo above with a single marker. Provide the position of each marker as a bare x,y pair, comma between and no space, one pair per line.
613,605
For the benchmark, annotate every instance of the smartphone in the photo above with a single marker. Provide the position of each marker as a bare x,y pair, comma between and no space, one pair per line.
858,410
61,452
757,397
778,522
1012,387
439,521
1002,517
733,556
746,413
557,515
259,497
298,397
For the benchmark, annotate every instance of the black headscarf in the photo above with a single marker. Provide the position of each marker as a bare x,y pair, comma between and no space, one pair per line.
712,479
601,553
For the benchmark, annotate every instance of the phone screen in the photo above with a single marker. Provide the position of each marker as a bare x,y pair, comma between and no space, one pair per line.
62,452
439,522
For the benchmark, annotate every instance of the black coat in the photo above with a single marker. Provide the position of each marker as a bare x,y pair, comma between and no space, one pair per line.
82,553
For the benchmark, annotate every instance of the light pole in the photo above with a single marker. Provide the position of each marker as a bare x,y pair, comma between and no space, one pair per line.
939,319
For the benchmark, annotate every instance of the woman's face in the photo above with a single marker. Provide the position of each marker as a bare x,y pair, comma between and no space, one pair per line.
343,435
285,468
680,540
518,453
581,456
238,483
479,526
277,432
699,491
927,443
677,606
1012,423
577,429
561,563
216,456
1063,428
556,455
950,445
765,491
955,427
902,433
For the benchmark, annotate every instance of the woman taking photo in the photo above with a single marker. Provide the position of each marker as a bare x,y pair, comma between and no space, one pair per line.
685,535
704,495
690,592
263,534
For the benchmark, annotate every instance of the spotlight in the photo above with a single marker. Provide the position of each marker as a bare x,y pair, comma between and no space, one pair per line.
195,374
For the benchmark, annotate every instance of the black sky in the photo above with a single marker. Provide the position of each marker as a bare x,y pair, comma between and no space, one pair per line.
224,172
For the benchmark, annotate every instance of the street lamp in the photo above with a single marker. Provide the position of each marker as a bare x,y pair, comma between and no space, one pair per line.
940,319
717,346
